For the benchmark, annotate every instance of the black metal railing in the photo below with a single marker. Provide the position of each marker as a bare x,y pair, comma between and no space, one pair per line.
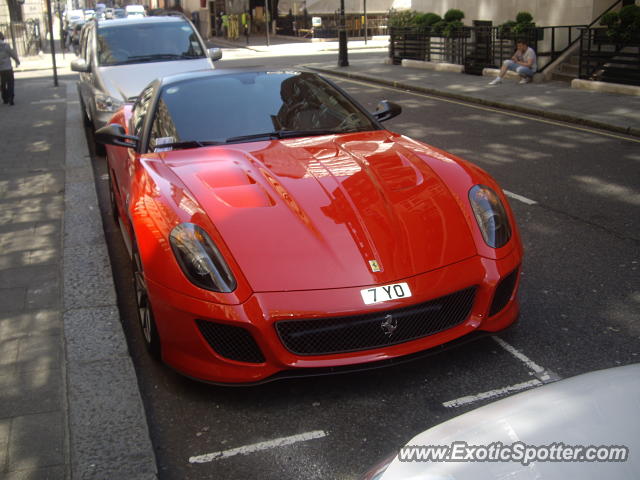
609,59
482,46
426,45
25,37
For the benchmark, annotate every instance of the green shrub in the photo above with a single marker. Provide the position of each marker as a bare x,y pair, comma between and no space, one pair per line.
623,27
452,29
454,15
427,19
522,27
610,19
438,27
402,18
629,15
524,17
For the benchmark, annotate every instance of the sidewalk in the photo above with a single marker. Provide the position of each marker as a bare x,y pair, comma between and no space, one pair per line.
69,400
554,100
45,62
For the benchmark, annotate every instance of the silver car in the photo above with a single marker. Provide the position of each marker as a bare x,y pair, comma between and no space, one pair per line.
586,427
119,57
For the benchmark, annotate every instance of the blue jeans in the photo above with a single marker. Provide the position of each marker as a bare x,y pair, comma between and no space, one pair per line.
519,69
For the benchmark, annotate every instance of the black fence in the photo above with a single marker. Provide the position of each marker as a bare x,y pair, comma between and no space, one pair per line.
609,59
480,46
25,37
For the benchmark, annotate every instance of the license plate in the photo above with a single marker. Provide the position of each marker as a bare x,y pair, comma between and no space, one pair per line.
385,293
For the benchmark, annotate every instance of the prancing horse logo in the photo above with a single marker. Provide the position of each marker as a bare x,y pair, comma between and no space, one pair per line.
389,325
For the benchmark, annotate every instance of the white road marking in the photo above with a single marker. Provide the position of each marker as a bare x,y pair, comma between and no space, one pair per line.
257,447
520,198
104,176
499,392
540,372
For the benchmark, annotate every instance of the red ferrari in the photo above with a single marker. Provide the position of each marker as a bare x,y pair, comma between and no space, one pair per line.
277,229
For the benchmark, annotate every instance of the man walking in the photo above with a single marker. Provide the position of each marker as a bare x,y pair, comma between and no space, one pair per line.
523,63
6,70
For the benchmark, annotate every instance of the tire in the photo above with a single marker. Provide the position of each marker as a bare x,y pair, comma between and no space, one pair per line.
145,314
86,121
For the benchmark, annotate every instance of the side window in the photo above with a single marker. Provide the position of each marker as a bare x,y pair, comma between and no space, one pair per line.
139,111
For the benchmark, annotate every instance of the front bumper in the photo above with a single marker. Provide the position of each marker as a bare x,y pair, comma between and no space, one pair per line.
185,348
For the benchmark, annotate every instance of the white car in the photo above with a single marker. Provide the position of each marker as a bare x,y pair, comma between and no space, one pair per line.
119,57
599,409
135,11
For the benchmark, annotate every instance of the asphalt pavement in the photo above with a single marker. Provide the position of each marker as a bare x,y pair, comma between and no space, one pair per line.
71,405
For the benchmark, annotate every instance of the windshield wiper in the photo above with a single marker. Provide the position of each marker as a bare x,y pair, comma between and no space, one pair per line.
279,134
186,144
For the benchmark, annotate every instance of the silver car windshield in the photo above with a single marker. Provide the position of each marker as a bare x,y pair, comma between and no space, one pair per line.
150,42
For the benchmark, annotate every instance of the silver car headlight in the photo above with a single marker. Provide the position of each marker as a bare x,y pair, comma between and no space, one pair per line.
106,103
490,215
200,259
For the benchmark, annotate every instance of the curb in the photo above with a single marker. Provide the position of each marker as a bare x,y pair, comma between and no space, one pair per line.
633,131
108,431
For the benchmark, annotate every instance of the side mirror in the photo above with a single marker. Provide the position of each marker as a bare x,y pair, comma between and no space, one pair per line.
114,134
214,54
80,65
387,110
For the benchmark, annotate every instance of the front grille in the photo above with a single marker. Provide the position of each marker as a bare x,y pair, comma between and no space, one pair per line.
234,343
504,290
364,332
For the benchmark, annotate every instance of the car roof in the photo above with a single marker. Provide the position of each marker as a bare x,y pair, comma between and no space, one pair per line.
137,20
182,77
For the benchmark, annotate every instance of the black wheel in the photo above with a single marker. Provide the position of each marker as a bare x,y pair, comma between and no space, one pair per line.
112,201
100,149
83,109
145,314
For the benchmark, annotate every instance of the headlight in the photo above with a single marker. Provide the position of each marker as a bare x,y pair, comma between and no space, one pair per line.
200,260
490,215
105,103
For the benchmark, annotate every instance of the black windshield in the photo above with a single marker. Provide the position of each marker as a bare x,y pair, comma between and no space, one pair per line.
254,107
147,42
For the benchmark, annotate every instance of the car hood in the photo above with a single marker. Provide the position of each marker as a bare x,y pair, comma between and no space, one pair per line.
597,408
126,81
321,212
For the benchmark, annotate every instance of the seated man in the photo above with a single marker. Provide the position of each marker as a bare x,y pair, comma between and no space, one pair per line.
523,63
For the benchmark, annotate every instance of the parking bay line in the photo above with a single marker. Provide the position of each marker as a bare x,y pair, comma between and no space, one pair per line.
499,392
542,376
257,447
520,198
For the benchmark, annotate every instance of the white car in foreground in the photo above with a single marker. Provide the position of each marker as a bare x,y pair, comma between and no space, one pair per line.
540,434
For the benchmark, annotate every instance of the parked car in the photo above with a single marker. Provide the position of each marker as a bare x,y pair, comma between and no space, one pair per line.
135,11
597,409
108,13
277,229
119,13
119,57
73,16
